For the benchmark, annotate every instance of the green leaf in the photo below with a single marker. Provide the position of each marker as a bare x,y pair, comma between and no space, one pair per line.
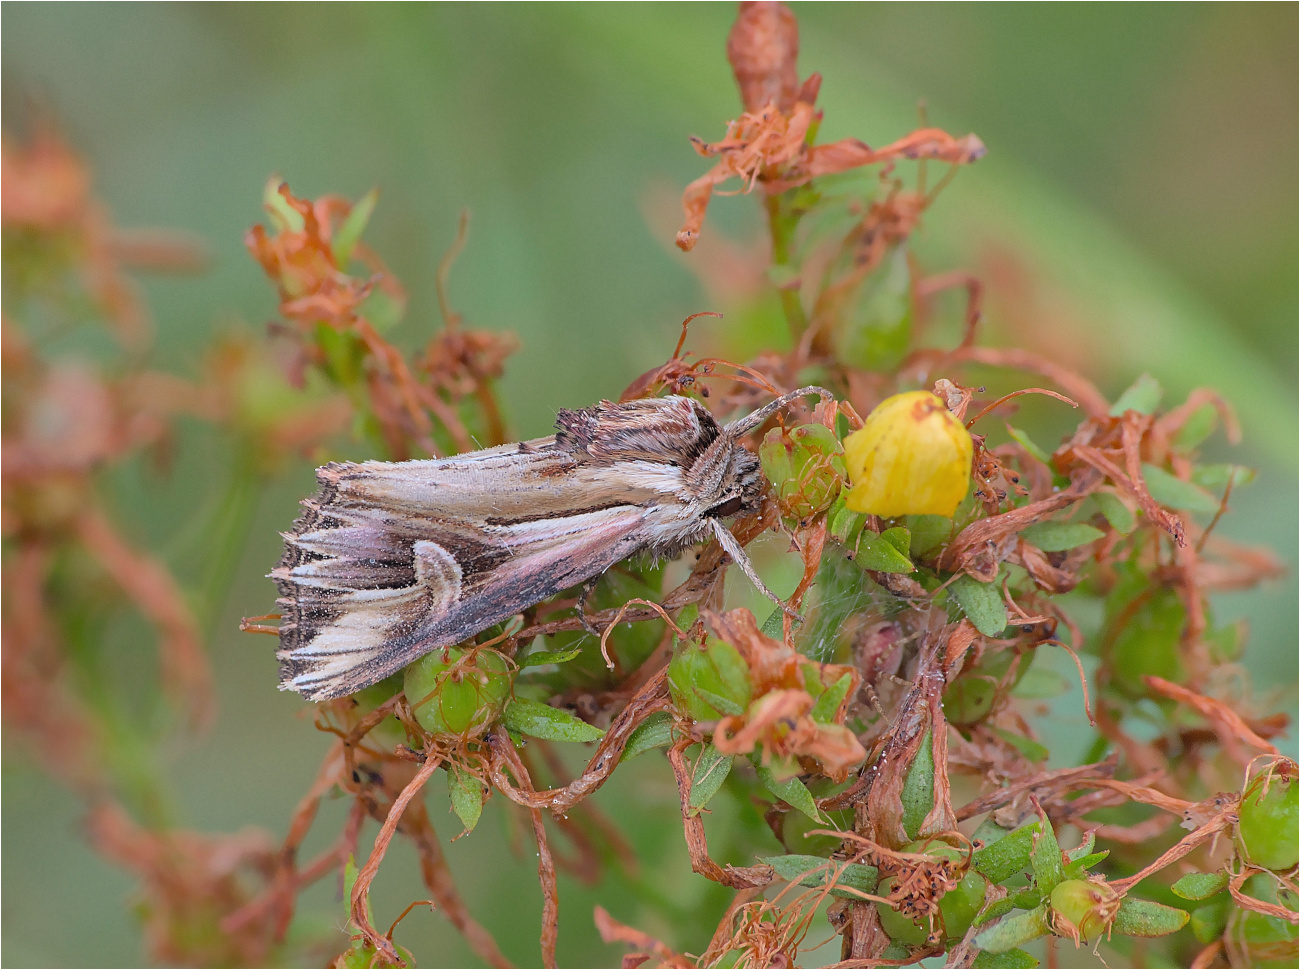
1027,899
982,603
1209,921
1118,514
710,772
466,797
1013,959
722,705
843,523
879,554
1078,868
655,731
1046,861
988,832
824,710
1060,536
687,616
918,788
791,790
1082,849
1014,930
1141,917
283,215
1142,397
874,335
350,873
548,657
792,868
1007,856
773,626
899,538
1024,441
1174,493
1200,424
1214,478
928,532
538,720
1040,684
995,910
1201,885
350,230
1029,748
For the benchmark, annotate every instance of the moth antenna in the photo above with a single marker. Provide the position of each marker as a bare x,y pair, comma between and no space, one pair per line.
737,554
742,426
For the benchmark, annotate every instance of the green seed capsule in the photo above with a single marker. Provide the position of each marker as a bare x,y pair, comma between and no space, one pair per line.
1269,823
1082,909
716,669
456,691
806,468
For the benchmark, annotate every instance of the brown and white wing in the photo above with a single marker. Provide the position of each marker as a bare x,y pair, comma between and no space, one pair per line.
392,560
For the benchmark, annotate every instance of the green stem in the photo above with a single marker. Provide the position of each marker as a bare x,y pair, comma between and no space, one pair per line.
781,224
228,533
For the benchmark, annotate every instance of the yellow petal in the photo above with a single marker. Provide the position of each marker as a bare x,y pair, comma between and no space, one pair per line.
911,457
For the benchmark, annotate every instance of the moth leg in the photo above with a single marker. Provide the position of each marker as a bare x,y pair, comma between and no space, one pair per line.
737,554
587,587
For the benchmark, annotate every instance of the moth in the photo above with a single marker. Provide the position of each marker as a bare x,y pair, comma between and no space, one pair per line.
391,560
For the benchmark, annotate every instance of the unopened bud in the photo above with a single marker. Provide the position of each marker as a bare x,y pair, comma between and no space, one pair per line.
912,456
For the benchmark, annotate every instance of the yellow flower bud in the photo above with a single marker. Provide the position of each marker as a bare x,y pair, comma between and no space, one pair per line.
911,457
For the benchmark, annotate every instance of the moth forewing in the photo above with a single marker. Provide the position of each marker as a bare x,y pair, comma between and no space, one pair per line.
394,559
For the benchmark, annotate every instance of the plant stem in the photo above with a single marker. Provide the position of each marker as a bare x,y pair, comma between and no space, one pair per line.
781,226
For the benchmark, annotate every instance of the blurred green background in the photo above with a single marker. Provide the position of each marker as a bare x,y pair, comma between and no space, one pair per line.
1136,211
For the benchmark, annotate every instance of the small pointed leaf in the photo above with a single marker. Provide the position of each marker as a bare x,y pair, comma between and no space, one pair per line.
538,720
1142,917
791,790
1142,397
982,603
1012,931
1201,885
655,732
466,793
710,772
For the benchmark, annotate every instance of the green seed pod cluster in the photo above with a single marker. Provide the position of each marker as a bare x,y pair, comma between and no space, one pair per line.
457,691
805,467
711,681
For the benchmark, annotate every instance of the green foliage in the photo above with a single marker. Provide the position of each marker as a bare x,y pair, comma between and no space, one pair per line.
711,771
982,603
535,720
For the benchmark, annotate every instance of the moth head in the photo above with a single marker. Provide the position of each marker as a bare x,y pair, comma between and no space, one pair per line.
729,478
738,486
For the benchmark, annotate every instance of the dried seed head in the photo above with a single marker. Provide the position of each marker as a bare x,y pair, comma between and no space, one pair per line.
763,48
911,457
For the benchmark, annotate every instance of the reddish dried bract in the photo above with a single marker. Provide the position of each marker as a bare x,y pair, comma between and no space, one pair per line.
763,48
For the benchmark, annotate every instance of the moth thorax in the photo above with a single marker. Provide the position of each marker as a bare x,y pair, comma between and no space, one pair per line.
727,480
